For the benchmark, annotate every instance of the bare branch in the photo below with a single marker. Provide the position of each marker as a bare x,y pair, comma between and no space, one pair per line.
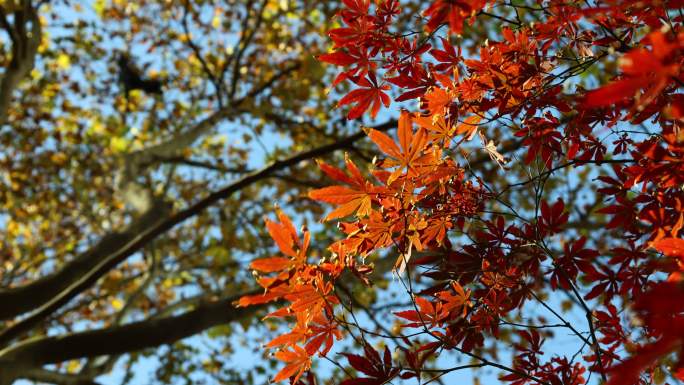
48,376
21,299
174,146
127,338
24,47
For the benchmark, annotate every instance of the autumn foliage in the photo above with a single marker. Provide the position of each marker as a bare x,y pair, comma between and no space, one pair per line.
480,258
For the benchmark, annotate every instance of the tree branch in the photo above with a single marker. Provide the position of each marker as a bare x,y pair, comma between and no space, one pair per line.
21,299
48,376
127,338
242,45
121,250
174,146
24,48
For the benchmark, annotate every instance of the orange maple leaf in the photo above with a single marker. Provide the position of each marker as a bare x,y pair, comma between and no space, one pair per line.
285,236
298,361
440,131
410,155
355,199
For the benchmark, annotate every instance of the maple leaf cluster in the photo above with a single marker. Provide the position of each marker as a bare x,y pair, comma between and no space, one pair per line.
419,202
416,196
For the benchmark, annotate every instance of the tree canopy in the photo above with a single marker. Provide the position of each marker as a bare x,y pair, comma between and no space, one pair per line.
352,192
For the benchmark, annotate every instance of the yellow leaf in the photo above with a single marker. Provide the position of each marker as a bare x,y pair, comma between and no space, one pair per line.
59,158
36,74
10,6
118,144
99,7
167,283
73,366
659,375
96,127
117,304
12,228
63,61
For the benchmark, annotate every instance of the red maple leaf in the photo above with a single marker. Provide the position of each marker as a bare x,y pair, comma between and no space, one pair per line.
372,96
650,70
453,11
